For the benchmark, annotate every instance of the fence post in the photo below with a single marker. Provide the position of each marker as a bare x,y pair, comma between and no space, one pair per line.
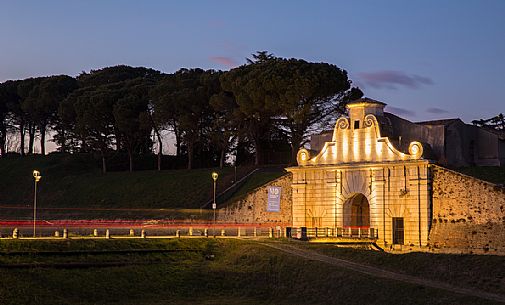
143,233
255,233
107,234
206,232
65,233
238,232
303,235
359,232
190,231
350,232
177,233
288,232
270,232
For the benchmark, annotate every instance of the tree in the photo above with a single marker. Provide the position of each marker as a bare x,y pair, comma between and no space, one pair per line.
223,130
192,98
50,93
131,117
28,91
309,95
165,111
95,121
9,101
496,123
182,101
256,100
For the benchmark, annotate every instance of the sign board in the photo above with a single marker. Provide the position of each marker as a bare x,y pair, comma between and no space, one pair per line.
214,206
274,199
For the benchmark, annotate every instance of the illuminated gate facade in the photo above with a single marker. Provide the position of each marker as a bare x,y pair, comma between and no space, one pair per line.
361,180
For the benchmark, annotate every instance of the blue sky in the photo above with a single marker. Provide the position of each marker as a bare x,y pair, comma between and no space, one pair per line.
425,59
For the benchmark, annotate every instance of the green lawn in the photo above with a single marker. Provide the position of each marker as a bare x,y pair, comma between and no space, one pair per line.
494,174
256,180
472,271
75,181
241,272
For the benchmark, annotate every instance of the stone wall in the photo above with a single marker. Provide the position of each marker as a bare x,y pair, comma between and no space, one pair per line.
253,207
468,214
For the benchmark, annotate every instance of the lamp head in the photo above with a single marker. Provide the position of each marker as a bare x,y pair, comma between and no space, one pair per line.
214,176
36,175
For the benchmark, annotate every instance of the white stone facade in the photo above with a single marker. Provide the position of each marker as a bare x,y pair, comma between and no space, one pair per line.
359,180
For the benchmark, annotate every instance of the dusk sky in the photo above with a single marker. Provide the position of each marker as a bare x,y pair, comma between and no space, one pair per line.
425,59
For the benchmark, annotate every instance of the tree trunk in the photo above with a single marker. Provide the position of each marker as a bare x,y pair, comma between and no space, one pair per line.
63,140
3,140
31,137
296,140
178,139
160,149
104,165
22,137
190,155
117,135
160,144
43,140
221,159
258,154
130,159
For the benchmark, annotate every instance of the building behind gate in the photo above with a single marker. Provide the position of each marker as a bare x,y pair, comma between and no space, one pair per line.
360,183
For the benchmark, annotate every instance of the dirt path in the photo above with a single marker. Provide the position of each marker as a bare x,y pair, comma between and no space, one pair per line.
381,273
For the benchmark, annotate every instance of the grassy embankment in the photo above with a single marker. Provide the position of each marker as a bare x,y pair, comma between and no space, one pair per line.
494,174
72,181
242,272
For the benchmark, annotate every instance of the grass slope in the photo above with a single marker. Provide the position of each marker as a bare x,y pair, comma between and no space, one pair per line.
494,174
75,181
242,272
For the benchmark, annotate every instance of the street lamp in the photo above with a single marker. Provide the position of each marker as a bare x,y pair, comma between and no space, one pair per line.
214,205
36,177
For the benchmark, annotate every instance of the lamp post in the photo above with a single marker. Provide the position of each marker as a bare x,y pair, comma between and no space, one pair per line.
36,177
214,205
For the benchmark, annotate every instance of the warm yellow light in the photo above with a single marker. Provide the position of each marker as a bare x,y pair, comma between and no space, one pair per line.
378,149
368,145
355,146
345,146
214,176
36,175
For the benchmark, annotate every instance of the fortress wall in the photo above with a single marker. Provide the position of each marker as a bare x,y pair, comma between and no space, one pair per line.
468,214
253,207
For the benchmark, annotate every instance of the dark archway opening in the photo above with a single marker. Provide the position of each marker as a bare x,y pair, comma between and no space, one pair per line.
357,212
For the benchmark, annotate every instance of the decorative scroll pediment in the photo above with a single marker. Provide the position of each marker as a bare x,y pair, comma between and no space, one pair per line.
358,141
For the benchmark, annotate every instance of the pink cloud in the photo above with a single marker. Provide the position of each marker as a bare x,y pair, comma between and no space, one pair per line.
391,79
223,60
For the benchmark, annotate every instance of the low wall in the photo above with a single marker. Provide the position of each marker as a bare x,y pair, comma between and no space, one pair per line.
253,207
468,214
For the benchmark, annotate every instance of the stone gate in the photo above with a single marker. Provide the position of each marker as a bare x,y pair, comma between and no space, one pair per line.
361,181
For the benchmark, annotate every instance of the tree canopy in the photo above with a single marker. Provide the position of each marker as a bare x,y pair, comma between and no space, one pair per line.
264,108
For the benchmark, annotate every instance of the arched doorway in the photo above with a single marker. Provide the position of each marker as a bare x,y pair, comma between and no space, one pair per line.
357,212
